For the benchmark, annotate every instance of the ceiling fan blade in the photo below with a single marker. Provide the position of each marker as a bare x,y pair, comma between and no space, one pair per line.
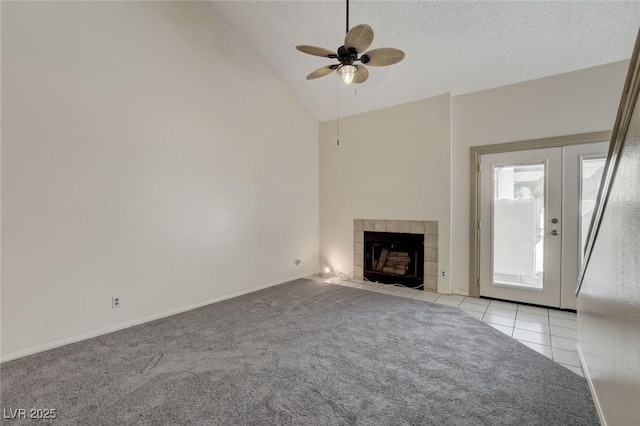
321,72
317,51
383,57
362,75
359,38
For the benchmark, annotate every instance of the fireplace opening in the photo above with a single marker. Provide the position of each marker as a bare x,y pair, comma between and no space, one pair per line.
394,258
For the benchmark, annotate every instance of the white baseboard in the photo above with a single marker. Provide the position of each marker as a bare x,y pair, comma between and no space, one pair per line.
127,324
585,370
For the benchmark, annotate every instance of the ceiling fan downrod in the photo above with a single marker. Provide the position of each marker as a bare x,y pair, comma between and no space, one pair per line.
347,16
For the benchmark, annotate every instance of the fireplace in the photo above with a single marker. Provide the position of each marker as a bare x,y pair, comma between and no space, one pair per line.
428,229
391,257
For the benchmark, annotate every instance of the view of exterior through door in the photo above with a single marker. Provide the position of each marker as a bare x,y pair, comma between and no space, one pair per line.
582,170
535,211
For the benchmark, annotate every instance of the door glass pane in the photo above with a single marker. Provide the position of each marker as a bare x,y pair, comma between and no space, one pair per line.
591,173
518,224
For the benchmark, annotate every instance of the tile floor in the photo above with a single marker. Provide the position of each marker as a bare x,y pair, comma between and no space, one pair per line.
548,331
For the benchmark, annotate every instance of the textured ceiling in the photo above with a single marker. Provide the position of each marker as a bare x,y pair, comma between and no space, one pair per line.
451,46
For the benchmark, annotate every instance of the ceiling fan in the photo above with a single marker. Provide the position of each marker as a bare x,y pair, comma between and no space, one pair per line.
356,42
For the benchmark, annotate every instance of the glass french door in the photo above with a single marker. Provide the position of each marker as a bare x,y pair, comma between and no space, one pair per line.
534,215
520,211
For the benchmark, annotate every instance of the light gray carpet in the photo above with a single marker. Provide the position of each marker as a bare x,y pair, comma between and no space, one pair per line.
302,353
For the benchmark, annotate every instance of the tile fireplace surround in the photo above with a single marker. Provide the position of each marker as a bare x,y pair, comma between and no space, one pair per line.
428,228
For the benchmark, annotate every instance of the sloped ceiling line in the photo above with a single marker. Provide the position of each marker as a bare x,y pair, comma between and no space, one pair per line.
451,47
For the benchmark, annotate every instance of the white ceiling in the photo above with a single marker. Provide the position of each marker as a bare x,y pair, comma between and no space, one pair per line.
451,46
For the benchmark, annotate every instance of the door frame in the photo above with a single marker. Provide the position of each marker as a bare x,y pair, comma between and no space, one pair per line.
474,214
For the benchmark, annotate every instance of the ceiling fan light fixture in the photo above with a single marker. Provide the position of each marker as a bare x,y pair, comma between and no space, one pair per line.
348,73
356,44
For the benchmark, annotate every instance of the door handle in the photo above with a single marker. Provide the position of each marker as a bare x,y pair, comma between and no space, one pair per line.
555,232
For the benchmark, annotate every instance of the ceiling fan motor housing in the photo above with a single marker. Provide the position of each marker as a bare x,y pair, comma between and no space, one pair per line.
357,41
347,56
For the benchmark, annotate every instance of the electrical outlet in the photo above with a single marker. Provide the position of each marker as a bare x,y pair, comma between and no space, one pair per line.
115,302
297,261
443,274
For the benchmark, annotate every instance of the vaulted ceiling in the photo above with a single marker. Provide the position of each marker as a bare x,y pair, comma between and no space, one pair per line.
451,46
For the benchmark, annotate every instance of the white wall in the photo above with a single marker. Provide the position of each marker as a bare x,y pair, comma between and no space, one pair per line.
565,104
393,163
147,154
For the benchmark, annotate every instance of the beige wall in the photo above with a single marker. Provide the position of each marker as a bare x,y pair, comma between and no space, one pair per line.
576,102
438,133
147,154
392,163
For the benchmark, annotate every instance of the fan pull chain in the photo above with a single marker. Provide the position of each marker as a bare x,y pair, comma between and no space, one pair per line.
338,113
